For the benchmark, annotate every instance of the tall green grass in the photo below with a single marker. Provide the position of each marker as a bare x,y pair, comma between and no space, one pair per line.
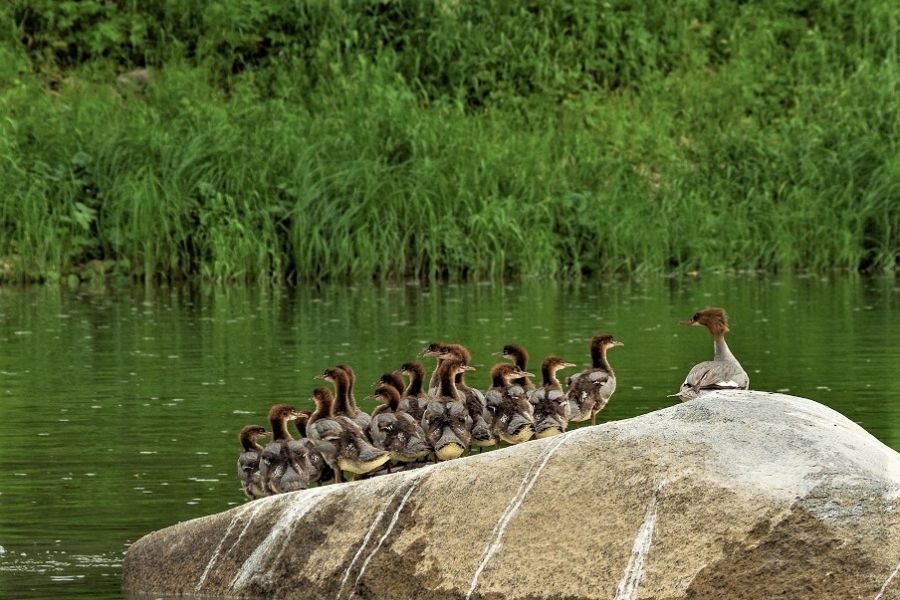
293,141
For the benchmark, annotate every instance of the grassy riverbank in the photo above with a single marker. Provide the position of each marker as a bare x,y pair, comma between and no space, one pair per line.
291,141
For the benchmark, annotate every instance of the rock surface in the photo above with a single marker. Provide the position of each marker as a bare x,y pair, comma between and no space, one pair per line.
735,495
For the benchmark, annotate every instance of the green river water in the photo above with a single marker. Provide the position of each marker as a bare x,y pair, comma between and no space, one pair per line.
119,409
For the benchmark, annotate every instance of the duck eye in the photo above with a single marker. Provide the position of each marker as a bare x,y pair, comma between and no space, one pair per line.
696,317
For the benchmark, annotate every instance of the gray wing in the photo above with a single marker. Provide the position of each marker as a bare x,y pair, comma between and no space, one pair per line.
493,397
537,396
376,431
324,429
362,419
248,470
599,377
608,386
716,375
411,422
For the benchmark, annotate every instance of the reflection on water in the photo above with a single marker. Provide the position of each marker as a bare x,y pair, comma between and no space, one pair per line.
120,409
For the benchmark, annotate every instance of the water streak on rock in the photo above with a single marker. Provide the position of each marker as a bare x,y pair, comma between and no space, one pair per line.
375,523
215,555
415,483
631,578
887,582
299,503
500,528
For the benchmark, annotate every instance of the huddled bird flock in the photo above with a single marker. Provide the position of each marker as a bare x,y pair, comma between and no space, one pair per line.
417,423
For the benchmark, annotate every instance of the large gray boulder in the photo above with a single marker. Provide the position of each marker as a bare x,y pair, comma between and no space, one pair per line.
735,495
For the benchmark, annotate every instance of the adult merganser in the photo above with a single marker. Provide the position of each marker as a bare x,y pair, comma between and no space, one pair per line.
723,372
590,390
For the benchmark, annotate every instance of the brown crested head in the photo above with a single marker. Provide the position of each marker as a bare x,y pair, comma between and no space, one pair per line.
283,412
507,372
412,368
459,352
555,363
393,379
454,366
388,395
605,340
323,397
348,370
715,319
434,349
252,432
334,375
248,436
515,352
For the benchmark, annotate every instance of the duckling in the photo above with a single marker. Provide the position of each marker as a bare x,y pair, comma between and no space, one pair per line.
248,462
344,404
393,379
446,421
278,470
304,451
590,390
413,399
351,399
723,372
519,356
434,350
476,405
513,417
551,409
394,430
340,440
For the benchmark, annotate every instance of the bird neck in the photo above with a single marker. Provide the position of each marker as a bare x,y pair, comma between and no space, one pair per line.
460,380
393,403
448,386
598,358
498,381
521,360
248,441
343,401
280,431
721,349
548,377
415,383
301,423
324,410
436,375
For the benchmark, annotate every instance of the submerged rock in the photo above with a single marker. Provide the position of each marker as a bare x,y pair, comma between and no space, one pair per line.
736,495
